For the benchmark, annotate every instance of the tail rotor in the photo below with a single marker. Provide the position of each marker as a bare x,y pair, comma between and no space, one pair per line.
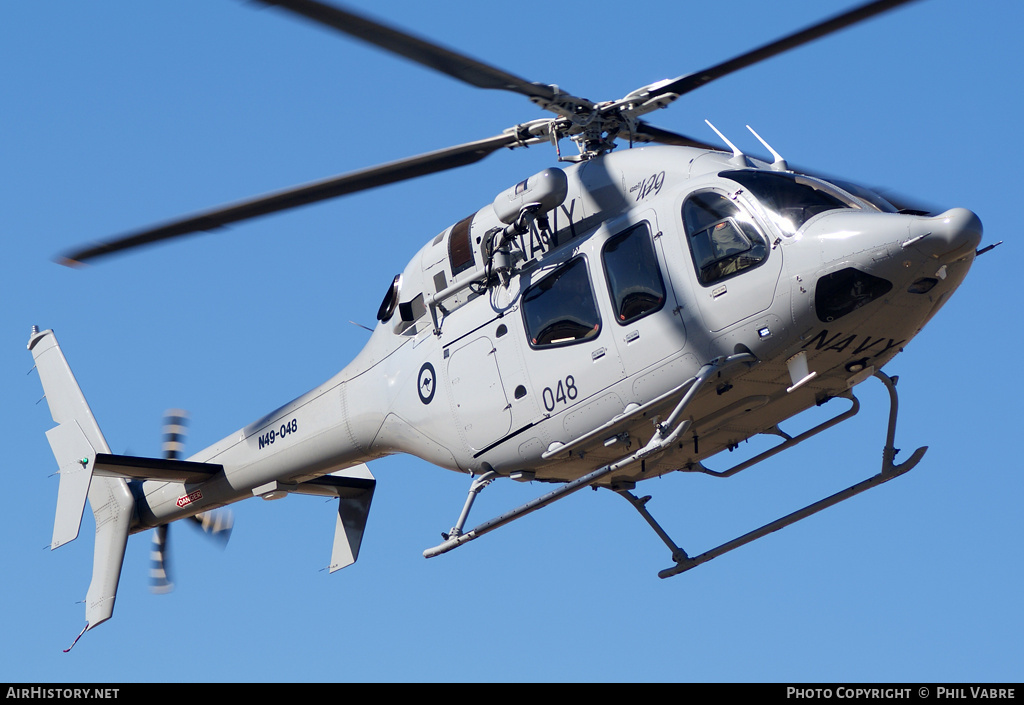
215,524
159,582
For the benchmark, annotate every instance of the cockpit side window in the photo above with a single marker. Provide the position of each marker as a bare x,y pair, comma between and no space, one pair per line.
390,302
723,239
561,309
790,199
634,278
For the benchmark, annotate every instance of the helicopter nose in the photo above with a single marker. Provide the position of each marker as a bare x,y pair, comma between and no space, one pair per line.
947,236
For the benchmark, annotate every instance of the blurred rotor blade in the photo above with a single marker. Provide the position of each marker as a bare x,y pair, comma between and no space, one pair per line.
175,426
216,524
159,577
459,66
645,132
685,84
400,170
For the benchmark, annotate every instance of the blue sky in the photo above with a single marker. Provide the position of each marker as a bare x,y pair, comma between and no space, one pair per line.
116,115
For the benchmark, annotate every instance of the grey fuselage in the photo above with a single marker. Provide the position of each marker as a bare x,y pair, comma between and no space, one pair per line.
464,383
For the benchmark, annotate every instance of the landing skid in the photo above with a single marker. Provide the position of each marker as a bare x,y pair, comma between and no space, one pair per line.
683,562
667,434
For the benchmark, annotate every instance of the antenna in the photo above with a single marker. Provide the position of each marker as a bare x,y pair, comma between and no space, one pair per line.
738,157
780,163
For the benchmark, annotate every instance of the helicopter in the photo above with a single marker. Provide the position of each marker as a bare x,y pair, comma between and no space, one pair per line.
623,317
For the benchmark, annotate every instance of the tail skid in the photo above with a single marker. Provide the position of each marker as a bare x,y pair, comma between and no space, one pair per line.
75,442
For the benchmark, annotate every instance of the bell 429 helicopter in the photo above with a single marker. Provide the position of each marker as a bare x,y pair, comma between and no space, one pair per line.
627,314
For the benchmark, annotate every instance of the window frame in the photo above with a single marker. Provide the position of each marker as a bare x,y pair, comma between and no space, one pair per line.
744,215
648,239
557,271
845,199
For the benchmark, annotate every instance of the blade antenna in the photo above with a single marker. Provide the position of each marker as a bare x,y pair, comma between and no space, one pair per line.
780,163
738,157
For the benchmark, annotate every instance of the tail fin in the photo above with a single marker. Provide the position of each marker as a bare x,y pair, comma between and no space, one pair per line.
75,442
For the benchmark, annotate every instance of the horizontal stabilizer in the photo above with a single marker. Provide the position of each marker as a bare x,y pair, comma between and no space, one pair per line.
135,468
74,456
354,489
345,483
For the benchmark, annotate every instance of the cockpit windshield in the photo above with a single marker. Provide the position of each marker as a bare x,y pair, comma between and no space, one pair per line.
790,199
866,195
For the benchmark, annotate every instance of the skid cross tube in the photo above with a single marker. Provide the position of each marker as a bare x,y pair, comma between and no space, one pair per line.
683,562
474,489
787,443
640,504
456,540
666,434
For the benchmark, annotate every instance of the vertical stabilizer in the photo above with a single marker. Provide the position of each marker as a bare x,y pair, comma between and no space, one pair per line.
355,492
75,441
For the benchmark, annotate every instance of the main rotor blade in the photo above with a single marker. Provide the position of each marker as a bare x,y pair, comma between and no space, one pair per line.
459,66
685,84
400,170
645,132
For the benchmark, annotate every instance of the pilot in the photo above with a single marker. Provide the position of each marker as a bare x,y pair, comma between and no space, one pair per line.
728,243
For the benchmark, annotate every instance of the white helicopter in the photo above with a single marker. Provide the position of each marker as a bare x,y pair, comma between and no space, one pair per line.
623,317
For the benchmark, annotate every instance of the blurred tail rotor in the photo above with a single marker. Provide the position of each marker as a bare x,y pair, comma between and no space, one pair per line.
216,523
175,427
159,583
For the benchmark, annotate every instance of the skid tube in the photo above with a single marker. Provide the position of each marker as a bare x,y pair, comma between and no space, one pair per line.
889,470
